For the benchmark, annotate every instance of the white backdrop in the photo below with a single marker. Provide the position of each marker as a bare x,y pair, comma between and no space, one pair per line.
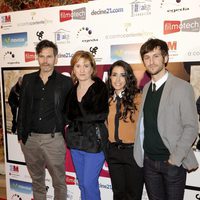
111,30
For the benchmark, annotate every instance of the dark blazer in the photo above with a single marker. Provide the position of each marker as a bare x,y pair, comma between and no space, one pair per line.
95,106
62,86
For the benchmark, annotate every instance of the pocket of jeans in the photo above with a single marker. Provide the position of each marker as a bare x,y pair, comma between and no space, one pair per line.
173,170
169,164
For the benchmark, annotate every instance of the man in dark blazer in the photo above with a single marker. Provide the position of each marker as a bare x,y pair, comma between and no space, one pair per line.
198,107
167,127
41,122
13,100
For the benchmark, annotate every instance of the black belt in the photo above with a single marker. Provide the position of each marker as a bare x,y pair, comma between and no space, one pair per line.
121,145
45,134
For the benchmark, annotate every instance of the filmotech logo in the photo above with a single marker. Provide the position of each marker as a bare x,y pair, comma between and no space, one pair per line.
189,25
140,8
29,56
77,14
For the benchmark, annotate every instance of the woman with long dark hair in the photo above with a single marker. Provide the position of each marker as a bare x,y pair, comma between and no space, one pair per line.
124,100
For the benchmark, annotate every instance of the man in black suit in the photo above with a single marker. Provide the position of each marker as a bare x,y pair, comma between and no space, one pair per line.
198,106
41,122
13,100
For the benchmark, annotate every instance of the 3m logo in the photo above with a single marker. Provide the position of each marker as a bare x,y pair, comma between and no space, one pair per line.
172,45
188,25
6,19
14,168
171,27
78,14
65,15
29,56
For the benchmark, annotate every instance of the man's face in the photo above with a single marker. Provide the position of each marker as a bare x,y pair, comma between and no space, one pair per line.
47,60
155,62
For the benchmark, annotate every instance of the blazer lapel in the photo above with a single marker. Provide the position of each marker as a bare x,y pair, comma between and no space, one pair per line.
144,94
165,95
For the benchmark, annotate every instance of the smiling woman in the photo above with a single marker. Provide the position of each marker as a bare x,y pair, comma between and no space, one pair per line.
87,109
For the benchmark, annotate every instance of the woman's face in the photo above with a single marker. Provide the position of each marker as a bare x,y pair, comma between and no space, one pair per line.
83,70
118,79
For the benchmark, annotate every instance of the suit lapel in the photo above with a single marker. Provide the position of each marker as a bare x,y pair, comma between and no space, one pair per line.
144,93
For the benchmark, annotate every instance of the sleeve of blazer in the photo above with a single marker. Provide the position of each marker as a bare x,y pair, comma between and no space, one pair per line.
198,105
188,123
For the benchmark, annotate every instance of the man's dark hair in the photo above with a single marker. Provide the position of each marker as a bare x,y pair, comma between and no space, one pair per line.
151,44
46,44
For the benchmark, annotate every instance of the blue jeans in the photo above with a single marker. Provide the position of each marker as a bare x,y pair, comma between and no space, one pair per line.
88,167
164,181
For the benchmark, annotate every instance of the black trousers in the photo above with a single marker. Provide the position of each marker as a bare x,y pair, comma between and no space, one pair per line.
126,176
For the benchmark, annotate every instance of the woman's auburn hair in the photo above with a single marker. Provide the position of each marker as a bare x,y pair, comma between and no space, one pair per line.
85,55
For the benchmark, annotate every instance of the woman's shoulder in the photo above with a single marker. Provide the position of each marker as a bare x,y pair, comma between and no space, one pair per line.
99,81
99,85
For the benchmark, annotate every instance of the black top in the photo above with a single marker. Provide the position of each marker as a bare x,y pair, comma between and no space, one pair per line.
93,109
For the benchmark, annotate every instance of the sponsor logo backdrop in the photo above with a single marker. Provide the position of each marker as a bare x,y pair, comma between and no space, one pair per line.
110,30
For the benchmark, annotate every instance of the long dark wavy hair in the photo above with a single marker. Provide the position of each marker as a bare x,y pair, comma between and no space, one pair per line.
129,92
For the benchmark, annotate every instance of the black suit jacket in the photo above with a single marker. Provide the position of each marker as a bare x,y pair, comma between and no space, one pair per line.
198,107
62,86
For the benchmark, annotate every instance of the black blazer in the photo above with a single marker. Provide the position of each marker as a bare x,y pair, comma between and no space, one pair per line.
198,106
63,85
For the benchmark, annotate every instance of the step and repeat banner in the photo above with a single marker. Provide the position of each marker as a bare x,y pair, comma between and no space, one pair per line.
110,30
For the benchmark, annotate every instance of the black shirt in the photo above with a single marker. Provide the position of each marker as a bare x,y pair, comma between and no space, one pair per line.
43,112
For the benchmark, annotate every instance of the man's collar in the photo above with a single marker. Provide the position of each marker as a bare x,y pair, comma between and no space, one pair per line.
161,81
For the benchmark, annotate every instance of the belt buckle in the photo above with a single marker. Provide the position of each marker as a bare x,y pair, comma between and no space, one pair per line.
119,146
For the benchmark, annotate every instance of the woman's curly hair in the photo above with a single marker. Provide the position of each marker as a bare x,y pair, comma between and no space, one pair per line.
130,89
